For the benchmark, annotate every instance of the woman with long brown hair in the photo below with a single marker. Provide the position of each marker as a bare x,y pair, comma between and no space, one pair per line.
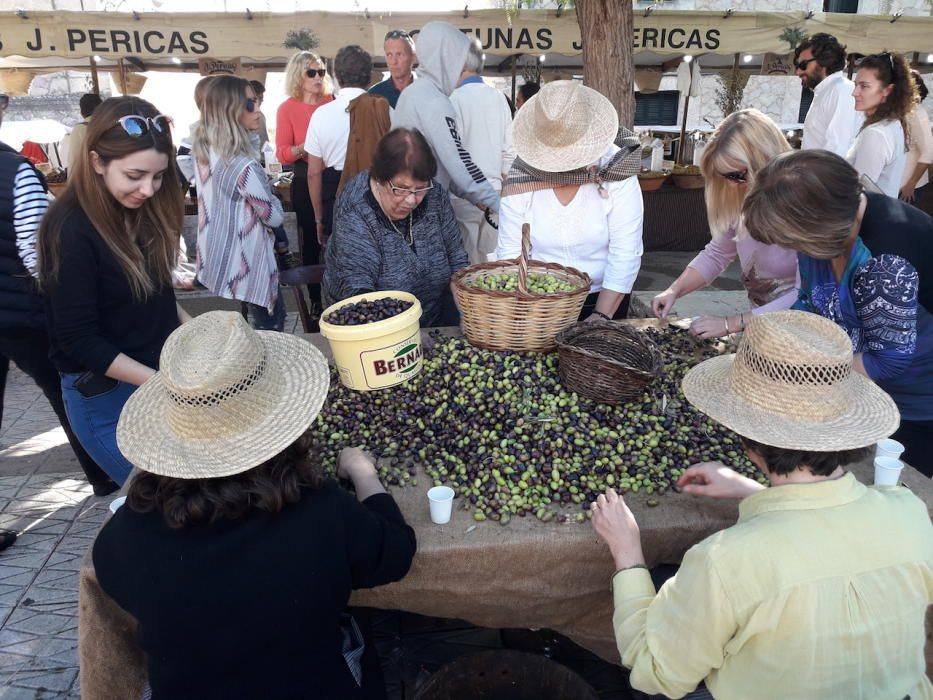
107,248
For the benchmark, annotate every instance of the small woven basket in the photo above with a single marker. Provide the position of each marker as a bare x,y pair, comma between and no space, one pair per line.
518,321
606,361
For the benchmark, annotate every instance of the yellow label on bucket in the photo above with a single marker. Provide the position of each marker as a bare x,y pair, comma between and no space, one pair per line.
393,364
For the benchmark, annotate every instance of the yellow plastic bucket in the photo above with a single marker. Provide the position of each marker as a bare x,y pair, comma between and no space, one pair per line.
380,354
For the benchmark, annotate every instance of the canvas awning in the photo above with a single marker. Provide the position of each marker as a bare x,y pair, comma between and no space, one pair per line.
163,37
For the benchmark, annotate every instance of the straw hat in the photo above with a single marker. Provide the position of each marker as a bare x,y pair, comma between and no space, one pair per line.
791,385
226,399
564,127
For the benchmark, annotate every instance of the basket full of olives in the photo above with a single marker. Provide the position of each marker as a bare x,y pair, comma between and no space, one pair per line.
519,305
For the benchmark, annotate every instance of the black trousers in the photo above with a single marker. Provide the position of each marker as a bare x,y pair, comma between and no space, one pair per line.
307,229
917,438
29,349
589,305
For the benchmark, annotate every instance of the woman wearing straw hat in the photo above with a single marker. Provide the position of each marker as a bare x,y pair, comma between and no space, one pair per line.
233,554
820,589
742,144
866,262
578,191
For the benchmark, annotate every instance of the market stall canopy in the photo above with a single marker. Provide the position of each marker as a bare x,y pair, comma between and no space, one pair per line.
261,35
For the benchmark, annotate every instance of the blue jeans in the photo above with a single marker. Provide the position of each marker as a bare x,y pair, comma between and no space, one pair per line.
263,320
94,421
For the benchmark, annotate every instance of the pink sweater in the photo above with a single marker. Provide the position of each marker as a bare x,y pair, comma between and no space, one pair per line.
769,272
291,126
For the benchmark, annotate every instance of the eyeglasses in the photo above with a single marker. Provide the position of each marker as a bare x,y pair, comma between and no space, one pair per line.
738,176
251,104
136,126
404,191
802,65
319,72
4,102
397,34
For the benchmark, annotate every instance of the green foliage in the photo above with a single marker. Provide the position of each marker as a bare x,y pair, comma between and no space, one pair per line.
794,36
731,88
301,40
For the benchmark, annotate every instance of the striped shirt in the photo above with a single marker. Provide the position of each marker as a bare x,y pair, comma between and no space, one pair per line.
29,206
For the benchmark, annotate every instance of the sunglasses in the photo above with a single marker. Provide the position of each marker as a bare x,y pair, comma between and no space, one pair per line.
136,126
251,104
802,65
319,72
397,34
739,176
404,191
4,102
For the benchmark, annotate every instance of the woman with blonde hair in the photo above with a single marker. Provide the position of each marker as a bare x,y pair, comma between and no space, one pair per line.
308,87
742,145
237,209
107,248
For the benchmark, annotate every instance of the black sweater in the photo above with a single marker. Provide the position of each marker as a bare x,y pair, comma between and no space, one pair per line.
249,608
91,313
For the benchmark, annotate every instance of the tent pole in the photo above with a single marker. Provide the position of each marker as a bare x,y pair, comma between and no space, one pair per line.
95,80
122,77
683,130
514,74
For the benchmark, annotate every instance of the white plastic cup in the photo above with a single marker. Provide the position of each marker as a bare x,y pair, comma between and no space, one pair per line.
889,448
887,471
116,503
441,500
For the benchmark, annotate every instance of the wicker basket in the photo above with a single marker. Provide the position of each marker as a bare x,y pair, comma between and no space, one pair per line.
518,321
607,362
650,184
688,181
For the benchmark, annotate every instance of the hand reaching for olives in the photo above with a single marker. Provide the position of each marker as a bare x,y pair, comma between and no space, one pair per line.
716,480
354,462
615,524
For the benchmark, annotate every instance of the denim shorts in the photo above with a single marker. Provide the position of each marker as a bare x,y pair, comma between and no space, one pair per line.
94,422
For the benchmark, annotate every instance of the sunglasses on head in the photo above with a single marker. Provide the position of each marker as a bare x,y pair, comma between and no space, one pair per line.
4,102
802,65
397,34
319,72
136,125
740,176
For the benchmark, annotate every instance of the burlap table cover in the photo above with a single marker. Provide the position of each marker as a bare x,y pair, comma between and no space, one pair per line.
525,574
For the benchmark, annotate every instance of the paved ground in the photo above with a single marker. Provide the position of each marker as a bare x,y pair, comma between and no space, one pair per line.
44,497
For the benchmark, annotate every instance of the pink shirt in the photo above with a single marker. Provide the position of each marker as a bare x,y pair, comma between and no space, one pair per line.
769,272
291,126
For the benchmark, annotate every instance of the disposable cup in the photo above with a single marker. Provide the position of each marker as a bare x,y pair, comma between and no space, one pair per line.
889,448
887,471
441,500
116,503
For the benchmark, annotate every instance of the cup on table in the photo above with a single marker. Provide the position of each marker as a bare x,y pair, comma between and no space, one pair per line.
441,500
116,503
889,448
887,471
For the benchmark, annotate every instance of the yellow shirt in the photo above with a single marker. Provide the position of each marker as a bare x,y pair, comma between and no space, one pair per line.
819,591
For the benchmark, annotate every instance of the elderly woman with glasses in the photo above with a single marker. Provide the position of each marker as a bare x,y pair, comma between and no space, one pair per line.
394,228
743,144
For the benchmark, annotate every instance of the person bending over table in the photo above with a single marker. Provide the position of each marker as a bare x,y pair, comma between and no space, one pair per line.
395,229
821,588
233,554
742,144
866,262
578,191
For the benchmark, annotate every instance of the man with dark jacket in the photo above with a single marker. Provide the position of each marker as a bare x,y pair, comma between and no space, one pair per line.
23,336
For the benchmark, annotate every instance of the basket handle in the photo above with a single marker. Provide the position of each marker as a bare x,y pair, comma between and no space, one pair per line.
523,259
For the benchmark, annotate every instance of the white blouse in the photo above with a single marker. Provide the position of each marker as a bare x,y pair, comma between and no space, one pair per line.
600,236
880,152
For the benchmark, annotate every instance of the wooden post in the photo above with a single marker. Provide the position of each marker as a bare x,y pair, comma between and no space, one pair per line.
95,80
514,77
683,128
122,77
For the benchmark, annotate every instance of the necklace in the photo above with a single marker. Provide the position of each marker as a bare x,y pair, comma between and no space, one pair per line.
411,240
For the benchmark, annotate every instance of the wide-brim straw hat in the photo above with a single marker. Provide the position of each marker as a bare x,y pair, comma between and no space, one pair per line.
791,384
226,398
564,127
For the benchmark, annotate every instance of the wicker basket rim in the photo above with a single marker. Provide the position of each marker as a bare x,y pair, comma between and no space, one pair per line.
462,288
564,342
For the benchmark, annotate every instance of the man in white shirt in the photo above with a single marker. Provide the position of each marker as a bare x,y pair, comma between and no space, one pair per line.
326,142
832,122
485,123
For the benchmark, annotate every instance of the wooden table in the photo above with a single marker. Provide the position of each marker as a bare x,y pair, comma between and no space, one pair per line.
526,574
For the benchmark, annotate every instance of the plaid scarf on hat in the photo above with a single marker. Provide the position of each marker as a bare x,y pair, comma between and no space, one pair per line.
623,165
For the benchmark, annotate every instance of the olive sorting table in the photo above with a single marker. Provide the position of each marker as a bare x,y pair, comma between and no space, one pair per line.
525,574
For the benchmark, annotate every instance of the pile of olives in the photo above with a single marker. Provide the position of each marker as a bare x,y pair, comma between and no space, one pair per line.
537,283
499,428
366,311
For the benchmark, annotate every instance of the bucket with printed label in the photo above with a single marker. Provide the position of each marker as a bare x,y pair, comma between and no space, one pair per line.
380,354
